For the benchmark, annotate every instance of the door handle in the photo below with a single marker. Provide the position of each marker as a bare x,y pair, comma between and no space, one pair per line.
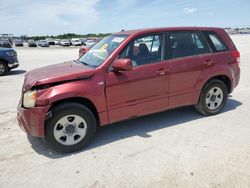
161,72
209,62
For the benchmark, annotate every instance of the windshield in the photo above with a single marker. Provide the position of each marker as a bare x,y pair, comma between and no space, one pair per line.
100,52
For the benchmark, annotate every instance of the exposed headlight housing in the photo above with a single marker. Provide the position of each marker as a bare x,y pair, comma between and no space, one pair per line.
29,99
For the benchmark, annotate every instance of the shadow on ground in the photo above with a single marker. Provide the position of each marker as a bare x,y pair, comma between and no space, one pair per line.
15,72
136,127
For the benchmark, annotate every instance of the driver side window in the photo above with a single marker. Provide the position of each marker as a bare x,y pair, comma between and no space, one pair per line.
144,50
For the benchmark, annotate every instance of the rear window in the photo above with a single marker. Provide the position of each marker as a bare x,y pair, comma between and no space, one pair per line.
215,42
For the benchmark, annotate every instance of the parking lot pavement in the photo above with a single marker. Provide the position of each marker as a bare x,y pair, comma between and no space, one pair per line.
177,148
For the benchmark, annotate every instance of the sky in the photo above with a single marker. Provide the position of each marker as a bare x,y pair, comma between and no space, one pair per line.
53,17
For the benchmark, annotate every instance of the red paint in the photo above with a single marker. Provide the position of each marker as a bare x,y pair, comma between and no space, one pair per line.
122,65
83,50
126,94
32,120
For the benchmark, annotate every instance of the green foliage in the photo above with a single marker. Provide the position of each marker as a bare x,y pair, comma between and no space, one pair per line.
70,36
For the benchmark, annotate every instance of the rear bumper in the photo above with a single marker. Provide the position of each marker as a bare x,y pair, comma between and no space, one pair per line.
236,79
32,120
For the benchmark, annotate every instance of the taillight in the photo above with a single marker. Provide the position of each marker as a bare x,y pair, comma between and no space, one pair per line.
236,55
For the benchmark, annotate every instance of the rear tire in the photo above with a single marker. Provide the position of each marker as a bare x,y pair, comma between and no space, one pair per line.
213,98
70,127
3,68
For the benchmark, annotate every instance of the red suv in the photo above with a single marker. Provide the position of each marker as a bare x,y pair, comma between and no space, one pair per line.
126,75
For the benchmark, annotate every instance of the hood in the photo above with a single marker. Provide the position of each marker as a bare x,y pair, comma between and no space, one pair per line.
6,49
57,73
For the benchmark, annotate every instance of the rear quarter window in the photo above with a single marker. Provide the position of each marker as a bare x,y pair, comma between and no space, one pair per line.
215,42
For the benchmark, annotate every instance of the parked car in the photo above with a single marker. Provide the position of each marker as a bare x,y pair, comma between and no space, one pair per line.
50,41
43,43
84,49
99,39
5,43
57,41
32,43
76,42
89,42
8,60
126,75
18,42
64,42
83,40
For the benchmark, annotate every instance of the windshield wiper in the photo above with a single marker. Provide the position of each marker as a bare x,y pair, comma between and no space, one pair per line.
77,61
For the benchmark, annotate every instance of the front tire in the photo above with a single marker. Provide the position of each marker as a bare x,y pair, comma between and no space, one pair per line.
213,98
70,127
3,68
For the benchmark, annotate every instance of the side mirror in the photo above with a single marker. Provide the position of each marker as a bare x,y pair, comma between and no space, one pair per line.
122,65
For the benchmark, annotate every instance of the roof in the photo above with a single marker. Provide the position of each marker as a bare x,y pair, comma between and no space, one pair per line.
162,29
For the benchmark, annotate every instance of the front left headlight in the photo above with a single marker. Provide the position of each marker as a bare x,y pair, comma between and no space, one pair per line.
29,99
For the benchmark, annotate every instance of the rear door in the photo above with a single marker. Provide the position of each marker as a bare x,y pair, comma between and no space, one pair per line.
189,55
221,54
144,89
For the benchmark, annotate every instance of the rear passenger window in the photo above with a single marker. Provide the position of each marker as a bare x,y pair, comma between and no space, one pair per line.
217,42
187,43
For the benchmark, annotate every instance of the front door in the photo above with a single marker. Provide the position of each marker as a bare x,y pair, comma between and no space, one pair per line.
143,90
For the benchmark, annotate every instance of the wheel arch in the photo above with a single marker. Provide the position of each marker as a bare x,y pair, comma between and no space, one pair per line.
4,61
84,101
200,105
6,66
224,78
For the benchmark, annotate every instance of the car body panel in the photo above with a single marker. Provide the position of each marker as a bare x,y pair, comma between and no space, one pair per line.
18,42
32,120
127,98
76,42
224,65
11,61
184,73
43,43
32,43
4,43
65,43
56,73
